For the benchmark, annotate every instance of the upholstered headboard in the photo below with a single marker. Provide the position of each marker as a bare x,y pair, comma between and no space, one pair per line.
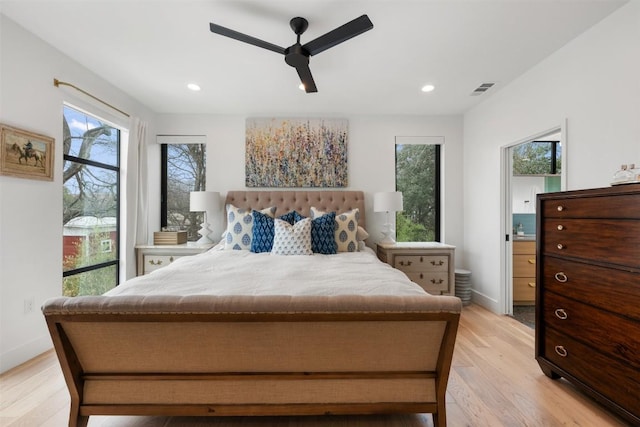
301,201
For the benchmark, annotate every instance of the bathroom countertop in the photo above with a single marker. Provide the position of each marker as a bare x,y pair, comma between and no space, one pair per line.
525,238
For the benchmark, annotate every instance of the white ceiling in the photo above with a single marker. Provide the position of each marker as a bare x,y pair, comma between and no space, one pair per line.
152,49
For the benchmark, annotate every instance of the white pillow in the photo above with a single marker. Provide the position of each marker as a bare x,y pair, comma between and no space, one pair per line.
346,228
240,227
292,239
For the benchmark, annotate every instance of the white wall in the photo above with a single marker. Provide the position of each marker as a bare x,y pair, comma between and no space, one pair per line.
30,210
593,82
371,160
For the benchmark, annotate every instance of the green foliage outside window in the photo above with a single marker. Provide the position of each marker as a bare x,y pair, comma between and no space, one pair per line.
416,172
537,158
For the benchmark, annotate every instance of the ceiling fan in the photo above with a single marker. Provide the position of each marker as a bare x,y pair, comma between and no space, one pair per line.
297,55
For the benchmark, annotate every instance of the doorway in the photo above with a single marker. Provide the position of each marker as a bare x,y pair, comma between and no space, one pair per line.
531,166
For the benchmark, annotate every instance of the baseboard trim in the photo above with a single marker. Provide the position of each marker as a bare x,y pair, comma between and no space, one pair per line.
19,355
486,302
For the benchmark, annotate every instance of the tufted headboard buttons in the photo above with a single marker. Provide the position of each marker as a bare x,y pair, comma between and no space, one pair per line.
301,201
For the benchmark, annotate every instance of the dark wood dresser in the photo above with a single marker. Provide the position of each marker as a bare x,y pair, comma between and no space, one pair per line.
588,293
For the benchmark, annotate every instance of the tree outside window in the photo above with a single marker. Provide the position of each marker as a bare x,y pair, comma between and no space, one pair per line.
418,178
183,171
91,200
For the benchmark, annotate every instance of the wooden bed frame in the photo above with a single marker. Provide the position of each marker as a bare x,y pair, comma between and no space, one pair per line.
246,355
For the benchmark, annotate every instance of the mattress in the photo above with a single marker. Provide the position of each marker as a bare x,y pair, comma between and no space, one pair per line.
238,272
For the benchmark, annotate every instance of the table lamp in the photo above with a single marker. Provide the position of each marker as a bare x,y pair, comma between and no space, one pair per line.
203,201
390,201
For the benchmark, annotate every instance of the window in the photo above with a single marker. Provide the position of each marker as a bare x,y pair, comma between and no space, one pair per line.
91,204
183,170
418,178
537,158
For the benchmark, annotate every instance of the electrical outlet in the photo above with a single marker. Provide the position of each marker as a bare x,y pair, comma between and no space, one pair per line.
29,304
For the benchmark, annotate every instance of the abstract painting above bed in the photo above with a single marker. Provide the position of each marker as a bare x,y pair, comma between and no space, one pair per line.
296,153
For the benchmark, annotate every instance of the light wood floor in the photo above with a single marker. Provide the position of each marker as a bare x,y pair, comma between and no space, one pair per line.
494,382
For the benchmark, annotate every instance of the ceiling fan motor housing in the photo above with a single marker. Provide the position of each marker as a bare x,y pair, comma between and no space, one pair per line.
296,55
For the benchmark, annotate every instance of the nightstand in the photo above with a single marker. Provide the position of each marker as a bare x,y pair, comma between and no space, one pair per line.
429,264
153,257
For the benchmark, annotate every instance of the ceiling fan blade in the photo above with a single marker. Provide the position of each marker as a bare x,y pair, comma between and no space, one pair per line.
307,79
215,28
339,35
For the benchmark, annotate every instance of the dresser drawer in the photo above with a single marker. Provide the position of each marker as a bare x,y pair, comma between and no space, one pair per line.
605,376
524,266
613,290
614,240
154,262
524,289
421,263
432,282
609,206
524,248
594,325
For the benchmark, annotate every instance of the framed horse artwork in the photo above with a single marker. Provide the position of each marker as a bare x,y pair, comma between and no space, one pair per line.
26,154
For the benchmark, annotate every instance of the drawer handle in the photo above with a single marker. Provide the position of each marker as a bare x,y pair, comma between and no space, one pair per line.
532,284
562,352
421,276
407,264
560,208
561,246
158,262
437,282
560,227
437,263
561,277
561,314
421,259
532,260
170,259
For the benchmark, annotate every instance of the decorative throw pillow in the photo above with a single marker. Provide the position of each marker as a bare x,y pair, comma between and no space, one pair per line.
240,227
361,234
263,230
323,240
346,229
292,239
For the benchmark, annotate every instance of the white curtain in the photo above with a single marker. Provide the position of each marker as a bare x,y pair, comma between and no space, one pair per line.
138,144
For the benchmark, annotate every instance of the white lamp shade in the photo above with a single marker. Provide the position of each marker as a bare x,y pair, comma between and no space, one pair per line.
390,201
202,201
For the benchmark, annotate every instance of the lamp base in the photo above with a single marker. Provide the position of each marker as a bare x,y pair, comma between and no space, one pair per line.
389,235
388,239
204,232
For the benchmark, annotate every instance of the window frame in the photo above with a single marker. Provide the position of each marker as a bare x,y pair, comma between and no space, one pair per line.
114,168
438,142
165,141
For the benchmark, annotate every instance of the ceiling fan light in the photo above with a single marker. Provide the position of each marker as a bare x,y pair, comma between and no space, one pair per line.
194,87
428,88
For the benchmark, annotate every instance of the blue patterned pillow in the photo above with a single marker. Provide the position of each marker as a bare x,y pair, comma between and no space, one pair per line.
263,230
240,227
346,228
323,240
292,239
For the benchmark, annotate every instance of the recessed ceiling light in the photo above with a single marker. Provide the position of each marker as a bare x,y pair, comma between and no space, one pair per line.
428,88
194,87
301,86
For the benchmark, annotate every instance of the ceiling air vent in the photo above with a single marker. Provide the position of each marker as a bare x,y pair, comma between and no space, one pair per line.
482,89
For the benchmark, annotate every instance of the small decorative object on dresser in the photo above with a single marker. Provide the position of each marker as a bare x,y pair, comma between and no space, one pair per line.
588,293
429,264
153,257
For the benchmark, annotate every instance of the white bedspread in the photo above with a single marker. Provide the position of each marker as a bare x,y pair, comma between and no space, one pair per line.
219,272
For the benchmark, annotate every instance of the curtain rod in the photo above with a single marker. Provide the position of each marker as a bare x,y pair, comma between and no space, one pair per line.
57,83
